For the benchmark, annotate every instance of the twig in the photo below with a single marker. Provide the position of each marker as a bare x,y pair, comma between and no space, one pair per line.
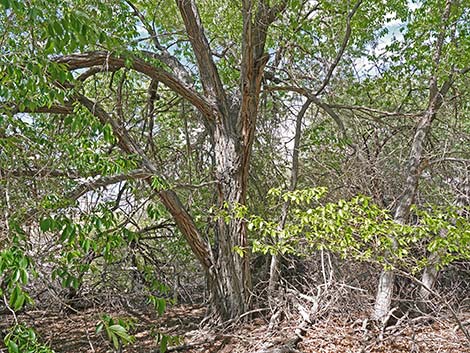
185,347
442,300
252,312
10,309
89,341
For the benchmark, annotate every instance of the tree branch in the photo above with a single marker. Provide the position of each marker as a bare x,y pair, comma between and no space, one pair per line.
335,63
85,187
109,60
169,198
254,60
14,109
433,88
464,161
309,95
125,142
210,78
41,173
380,113
165,57
95,70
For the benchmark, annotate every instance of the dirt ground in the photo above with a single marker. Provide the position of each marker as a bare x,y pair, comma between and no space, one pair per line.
75,332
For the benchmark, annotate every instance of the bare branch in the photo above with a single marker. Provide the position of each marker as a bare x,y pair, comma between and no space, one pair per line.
95,70
109,60
85,187
309,95
194,186
41,173
434,95
53,109
147,25
171,61
165,57
335,63
378,112
464,161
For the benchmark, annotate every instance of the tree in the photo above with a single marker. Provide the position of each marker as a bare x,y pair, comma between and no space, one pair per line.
161,96
442,77
230,120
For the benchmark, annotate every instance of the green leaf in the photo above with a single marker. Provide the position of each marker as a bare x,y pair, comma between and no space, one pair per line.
19,301
164,344
161,306
115,340
108,133
46,224
239,251
14,295
117,328
32,335
24,276
16,275
58,29
121,332
12,347
17,298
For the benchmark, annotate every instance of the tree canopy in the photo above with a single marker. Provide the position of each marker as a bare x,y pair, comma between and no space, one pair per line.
134,130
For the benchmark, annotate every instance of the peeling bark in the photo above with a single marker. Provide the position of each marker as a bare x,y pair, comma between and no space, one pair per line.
233,131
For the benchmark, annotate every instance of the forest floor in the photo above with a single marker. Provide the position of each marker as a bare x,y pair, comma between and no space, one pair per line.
75,332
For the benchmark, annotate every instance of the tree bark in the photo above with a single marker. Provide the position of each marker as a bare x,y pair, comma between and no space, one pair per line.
232,268
414,168
233,130
402,212
387,277
431,271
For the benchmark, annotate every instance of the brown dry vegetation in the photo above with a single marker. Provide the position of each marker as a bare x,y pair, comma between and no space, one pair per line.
334,333
311,317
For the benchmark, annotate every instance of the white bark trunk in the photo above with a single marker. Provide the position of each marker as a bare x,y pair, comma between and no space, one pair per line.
384,295
429,278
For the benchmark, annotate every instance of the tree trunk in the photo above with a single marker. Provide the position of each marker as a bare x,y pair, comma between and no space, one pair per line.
387,278
428,279
231,123
231,272
383,299
414,168
232,126
430,273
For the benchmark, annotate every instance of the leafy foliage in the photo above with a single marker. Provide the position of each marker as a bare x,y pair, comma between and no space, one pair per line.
358,229
67,133
15,269
117,330
22,339
164,341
